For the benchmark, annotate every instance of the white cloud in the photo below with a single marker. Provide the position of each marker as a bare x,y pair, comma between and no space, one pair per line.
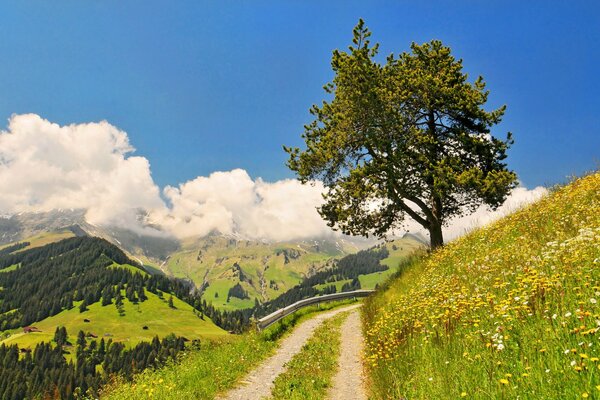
231,202
520,197
44,166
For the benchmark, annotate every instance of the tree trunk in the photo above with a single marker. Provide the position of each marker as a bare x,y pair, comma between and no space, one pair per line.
436,237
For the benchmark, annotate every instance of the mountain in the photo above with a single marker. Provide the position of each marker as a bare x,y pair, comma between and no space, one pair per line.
230,272
17,227
41,228
259,271
75,283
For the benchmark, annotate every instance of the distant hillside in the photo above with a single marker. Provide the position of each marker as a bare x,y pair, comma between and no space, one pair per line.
79,311
259,271
366,269
508,311
229,272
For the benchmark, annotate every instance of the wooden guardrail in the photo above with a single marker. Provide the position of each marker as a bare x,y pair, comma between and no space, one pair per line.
275,316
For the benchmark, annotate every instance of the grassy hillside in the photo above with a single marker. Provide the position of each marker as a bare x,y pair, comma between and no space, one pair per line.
44,238
45,286
509,311
105,321
400,250
264,270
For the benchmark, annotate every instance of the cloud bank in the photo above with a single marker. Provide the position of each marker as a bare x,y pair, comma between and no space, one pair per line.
44,166
233,203
91,166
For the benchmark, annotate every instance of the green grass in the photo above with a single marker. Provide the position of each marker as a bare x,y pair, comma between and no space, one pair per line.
509,311
338,285
222,288
130,268
201,374
105,322
309,373
215,367
9,268
43,239
370,281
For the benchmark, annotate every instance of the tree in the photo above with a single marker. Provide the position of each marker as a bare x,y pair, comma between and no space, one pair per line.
405,139
60,336
107,295
81,342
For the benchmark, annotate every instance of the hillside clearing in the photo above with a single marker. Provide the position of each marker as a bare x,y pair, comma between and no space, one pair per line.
105,321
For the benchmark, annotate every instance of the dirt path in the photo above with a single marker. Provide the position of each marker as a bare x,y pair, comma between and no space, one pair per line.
349,380
258,384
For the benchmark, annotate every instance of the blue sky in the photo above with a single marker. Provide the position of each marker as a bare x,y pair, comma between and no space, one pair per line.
206,86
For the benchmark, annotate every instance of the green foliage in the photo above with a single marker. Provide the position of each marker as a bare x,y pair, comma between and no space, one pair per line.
365,269
60,335
237,291
46,373
50,278
410,136
509,311
309,373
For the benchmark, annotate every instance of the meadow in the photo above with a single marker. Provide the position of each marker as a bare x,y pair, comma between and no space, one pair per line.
509,311
213,368
105,322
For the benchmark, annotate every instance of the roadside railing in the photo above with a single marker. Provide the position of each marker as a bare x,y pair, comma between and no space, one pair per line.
275,316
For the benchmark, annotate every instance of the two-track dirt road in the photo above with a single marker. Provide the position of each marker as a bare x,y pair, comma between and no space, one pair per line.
348,383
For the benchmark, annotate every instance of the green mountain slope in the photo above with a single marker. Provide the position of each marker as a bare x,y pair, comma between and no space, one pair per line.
105,321
44,287
399,251
509,311
42,239
264,270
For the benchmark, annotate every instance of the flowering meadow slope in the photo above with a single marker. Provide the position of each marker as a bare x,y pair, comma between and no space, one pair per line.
509,311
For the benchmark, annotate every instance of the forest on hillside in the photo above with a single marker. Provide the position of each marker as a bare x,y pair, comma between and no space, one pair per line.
76,272
349,267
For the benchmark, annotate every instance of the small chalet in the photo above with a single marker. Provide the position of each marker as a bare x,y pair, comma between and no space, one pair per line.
29,329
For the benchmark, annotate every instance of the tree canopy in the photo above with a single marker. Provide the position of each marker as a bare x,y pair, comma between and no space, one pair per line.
408,138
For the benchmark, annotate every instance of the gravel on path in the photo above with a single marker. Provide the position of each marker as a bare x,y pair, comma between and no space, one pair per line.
348,383
258,384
